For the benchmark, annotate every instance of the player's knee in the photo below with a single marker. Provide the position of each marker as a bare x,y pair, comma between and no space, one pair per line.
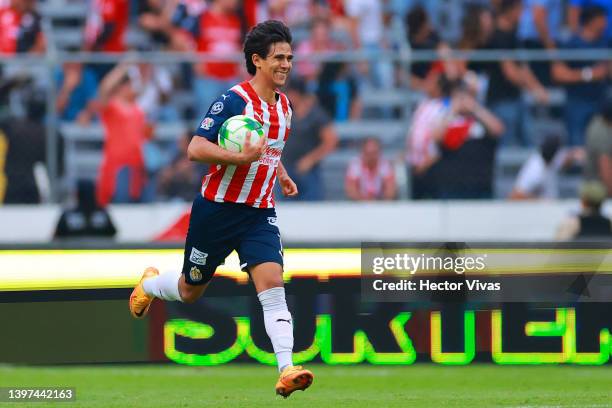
271,281
190,293
189,297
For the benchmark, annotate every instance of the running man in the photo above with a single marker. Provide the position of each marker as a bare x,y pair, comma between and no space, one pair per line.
235,210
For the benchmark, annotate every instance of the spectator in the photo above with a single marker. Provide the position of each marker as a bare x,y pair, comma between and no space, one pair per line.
293,13
370,176
427,128
540,28
538,177
77,89
105,28
106,25
590,224
312,138
598,165
20,28
421,36
477,28
584,81
185,20
182,178
367,31
87,219
508,78
318,42
576,8
22,153
218,33
338,92
155,17
467,148
154,86
122,175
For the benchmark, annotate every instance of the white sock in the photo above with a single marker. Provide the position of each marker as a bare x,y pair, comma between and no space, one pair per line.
279,324
163,286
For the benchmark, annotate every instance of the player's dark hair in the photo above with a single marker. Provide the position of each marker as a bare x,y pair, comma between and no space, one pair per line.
590,13
261,37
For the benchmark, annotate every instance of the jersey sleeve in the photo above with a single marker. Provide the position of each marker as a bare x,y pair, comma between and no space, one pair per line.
227,105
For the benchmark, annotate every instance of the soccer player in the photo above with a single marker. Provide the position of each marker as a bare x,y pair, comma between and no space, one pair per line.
235,210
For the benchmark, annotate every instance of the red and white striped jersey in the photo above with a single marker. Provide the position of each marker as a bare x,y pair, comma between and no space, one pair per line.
248,184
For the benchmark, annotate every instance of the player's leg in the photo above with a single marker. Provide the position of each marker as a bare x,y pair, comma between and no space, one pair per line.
261,254
268,281
204,251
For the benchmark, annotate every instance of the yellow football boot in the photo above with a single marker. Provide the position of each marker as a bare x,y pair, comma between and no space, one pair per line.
293,378
139,300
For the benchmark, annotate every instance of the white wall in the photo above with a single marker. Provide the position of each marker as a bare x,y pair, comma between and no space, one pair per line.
328,222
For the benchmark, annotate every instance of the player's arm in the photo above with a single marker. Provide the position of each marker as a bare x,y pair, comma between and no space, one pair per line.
288,186
202,150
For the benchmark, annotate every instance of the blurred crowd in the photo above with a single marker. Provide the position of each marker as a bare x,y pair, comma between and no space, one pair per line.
465,111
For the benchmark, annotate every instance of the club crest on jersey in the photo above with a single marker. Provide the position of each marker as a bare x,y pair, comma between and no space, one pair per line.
216,108
198,257
207,123
195,274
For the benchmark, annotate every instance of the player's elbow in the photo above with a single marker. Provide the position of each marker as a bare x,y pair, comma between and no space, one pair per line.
192,151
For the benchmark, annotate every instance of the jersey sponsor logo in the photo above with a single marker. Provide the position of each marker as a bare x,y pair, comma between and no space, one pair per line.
271,157
216,108
198,257
195,274
207,123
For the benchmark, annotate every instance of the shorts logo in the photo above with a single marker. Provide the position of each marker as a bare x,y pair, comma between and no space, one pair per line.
195,274
207,123
216,108
272,220
198,257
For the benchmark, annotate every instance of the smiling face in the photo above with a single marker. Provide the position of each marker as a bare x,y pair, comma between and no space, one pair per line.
275,67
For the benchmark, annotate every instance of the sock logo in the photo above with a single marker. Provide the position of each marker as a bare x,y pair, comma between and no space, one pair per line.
198,257
284,320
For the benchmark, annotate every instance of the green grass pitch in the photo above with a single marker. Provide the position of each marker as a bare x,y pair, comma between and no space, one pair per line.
419,385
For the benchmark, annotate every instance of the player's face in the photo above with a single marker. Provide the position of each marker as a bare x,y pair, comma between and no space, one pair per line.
277,65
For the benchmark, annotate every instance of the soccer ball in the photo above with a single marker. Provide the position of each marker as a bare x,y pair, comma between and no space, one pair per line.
234,131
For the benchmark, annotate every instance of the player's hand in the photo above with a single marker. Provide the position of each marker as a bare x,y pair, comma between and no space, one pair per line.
288,186
252,152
